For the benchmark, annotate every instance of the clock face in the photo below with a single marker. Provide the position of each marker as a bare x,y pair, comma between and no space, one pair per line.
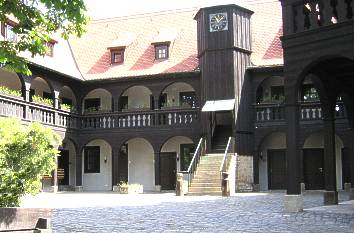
218,22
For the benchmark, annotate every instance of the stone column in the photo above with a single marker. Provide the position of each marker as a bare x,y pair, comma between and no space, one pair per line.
115,171
26,113
55,176
330,194
256,187
293,197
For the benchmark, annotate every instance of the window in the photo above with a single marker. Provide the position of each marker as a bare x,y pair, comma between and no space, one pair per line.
187,99
47,95
8,33
309,93
277,93
161,52
186,155
66,101
50,51
92,159
123,102
92,104
117,56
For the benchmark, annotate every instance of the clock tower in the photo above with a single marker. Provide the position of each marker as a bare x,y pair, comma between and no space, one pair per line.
224,49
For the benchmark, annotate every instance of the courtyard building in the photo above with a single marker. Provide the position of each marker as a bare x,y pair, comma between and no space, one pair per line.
136,98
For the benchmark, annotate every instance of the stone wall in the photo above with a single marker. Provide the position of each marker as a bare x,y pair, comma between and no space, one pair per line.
25,218
244,173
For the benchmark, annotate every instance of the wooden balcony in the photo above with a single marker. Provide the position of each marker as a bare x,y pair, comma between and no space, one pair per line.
309,111
304,15
32,112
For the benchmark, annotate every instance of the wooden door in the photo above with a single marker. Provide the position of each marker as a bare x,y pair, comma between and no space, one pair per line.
276,169
313,168
63,163
168,170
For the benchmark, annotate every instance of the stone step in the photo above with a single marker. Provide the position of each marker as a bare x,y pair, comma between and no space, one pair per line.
206,180
204,189
215,193
205,184
206,176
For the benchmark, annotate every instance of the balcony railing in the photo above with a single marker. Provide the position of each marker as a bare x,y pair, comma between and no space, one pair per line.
17,107
302,15
308,111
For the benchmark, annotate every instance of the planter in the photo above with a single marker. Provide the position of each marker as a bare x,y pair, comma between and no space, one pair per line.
131,189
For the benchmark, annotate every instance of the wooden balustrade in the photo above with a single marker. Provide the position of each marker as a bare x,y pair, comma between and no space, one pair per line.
311,14
308,111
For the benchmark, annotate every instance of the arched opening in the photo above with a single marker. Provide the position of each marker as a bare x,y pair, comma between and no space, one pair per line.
67,99
272,162
136,163
178,95
41,92
175,155
10,84
67,162
271,90
97,100
313,161
97,166
136,98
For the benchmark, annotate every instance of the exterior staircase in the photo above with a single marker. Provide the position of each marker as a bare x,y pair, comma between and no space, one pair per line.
207,180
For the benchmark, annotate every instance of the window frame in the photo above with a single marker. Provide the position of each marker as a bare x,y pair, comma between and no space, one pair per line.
160,47
120,51
97,108
4,30
96,161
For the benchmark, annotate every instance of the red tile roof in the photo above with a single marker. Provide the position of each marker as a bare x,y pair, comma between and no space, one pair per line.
94,59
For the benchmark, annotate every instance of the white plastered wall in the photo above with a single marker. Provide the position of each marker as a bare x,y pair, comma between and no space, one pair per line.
99,181
40,85
141,168
316,140
105,97
10,80
138,97
66,92
173,91
275,140
173,145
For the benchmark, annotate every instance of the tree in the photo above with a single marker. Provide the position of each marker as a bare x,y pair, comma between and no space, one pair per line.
26,154
34,22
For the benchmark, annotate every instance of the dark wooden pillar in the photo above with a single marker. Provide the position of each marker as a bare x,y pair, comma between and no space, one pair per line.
256,172
331,194
157,168
78,170
293,150
115,167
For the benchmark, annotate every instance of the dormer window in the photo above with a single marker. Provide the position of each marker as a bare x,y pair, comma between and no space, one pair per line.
117,56
161,52
7,31
50,48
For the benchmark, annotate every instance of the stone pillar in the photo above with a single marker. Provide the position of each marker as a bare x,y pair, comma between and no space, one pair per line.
55,176
330,194
225,189
78,185
26,113
293,201
157,168
179,185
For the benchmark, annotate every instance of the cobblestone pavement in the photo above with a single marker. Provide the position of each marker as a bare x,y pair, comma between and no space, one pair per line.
262,212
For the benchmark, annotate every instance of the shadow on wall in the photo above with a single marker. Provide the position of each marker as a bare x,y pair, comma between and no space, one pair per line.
25,218
7,216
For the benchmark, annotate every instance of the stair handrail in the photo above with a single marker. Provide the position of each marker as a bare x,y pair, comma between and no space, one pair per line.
228,146
195,160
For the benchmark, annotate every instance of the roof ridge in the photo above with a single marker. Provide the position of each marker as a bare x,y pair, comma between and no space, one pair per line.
141,15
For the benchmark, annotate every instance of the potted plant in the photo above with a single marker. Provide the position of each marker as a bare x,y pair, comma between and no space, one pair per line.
40,100
125,188
67,107
8,91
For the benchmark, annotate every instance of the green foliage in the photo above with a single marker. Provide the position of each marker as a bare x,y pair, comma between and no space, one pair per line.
26,154
36,21
67,107
8,91
40,100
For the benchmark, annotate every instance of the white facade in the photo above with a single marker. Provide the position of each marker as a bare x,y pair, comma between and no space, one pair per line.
138,97
104,96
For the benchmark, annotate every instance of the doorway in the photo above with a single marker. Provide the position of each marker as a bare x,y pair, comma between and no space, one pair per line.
168,170
123,164
63,163
313,168
276,169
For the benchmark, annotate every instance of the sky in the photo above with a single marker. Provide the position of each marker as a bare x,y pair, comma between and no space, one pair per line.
112,8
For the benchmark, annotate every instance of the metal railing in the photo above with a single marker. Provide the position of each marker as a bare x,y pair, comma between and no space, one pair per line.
227,169
195,160
223,165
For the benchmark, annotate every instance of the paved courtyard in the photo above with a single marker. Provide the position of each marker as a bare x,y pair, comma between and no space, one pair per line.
252,212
